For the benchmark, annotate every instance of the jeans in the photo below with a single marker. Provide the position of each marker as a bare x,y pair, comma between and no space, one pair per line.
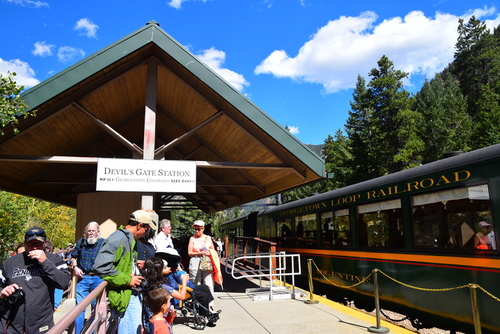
58,294
130,321
84,286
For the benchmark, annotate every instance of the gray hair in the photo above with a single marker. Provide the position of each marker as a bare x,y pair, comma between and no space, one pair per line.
165,222
96,225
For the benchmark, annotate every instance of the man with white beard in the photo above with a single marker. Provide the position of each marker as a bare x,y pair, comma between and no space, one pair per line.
83,257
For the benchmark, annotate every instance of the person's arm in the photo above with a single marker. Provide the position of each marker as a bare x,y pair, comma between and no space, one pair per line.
104,264
210,244
7,289
57,270
182,294
75,254
191,251
476,241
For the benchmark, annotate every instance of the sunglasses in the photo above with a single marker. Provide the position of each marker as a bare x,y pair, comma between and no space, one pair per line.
145,226
35,233
198,228
36,243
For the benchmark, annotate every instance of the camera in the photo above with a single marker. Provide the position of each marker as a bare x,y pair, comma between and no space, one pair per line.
17,298
144,285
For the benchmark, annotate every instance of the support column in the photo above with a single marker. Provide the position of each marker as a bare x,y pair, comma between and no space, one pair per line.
150,123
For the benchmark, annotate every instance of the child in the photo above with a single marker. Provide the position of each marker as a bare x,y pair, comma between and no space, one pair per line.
158,301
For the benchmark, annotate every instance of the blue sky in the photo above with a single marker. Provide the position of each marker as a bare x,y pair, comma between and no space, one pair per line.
298,60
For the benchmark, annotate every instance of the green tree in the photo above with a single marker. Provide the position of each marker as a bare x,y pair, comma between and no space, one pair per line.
18,213
477,61
445,124
338,160
361,133
12,106
487,122
182,221
396,139
381,127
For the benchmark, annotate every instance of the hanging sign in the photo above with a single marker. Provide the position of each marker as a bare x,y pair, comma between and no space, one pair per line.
138,175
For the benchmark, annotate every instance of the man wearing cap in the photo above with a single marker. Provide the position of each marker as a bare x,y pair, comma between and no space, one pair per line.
116,263
83,258
37,274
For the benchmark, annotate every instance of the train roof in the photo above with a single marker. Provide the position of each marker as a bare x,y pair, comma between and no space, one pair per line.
476,156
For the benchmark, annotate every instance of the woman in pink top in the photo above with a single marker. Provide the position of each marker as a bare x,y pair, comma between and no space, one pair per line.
200,244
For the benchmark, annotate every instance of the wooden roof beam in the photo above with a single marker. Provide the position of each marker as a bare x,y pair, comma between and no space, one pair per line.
133,147
160,150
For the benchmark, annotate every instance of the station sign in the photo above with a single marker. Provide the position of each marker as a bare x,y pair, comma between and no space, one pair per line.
139,175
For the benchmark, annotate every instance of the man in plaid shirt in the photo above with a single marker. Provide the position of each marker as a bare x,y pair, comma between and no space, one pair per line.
83,257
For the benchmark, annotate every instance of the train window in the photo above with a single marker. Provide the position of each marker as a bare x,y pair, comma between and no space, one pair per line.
284,229
306,229
449,219
335,229
380,224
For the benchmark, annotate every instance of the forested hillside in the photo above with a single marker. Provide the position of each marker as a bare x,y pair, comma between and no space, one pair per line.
389,129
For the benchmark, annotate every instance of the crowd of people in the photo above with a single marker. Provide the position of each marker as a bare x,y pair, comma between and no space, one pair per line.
146,280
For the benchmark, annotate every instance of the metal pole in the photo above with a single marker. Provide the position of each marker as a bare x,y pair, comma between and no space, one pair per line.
311,296
377,329
475,308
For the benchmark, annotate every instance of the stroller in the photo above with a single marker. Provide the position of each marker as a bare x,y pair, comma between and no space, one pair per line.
201,314
197,302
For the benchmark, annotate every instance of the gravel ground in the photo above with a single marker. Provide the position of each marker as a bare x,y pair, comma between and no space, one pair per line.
405,323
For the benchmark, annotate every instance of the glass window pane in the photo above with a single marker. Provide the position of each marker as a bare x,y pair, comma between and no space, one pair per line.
449,219
380,225
335,229
306,230
284,230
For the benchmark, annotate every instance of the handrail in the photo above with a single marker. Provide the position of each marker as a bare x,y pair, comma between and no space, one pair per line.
99,313
251,245
277,267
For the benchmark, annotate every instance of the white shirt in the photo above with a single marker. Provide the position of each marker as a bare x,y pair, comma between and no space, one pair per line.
162,242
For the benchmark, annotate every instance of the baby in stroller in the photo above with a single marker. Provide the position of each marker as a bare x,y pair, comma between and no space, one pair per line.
159,271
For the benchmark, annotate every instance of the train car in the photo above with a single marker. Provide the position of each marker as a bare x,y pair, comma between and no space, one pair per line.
418,226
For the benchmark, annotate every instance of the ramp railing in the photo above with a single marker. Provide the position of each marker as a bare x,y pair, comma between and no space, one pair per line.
97,322
270,266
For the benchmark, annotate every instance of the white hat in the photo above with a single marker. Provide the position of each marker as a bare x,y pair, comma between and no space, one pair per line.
143,217
199,223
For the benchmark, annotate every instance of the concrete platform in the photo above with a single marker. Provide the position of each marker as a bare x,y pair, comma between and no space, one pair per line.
241,314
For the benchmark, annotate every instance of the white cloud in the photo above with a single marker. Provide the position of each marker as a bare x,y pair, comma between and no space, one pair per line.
67,54
25,76
177,4
486,12
42,49
348,46
215,59
293,129
29,3
87,27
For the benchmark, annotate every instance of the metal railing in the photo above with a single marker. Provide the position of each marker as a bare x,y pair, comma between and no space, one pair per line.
273,266
98,317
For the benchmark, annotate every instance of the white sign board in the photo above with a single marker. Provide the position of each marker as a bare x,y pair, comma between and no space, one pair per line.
138,175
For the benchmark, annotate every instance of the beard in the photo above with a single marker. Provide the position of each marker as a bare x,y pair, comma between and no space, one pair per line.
92,240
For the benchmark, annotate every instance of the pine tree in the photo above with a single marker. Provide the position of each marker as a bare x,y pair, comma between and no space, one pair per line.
338,160
477,61
361,133
445,124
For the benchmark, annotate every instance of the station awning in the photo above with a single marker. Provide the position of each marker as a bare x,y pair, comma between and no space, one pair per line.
102,107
